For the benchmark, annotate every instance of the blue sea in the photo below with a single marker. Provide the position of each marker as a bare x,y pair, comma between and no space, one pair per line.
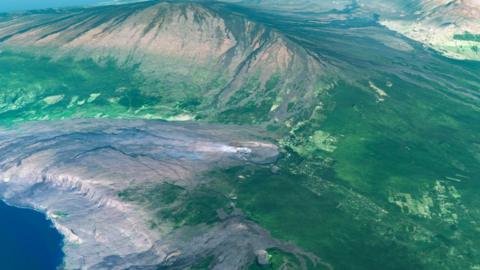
28,240
21,5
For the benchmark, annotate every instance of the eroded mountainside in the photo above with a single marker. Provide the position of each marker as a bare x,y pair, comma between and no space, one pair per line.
351,139
186,51
197,60
450,27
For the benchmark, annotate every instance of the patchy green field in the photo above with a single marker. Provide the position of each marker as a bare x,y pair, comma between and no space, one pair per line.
38,88
467,37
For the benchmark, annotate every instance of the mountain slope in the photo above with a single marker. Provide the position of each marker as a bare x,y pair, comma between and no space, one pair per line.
447,26
451,27
184,51
198,60
377,134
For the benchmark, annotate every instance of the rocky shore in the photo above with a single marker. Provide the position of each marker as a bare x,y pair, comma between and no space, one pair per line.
74,170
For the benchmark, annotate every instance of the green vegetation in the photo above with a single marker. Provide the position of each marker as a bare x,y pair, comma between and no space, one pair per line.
278,260
373,184
363,178
60,214
36,88
177,205
467,36
203,264
398,181
252,103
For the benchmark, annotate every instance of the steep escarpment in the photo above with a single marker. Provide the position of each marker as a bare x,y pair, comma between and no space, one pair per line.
188,55
450,27
197,60
85,175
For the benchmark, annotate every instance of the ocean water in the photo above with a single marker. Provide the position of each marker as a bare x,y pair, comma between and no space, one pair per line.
28,240
21,5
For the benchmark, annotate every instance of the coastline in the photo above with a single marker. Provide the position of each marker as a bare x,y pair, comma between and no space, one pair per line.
77,168
32,236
